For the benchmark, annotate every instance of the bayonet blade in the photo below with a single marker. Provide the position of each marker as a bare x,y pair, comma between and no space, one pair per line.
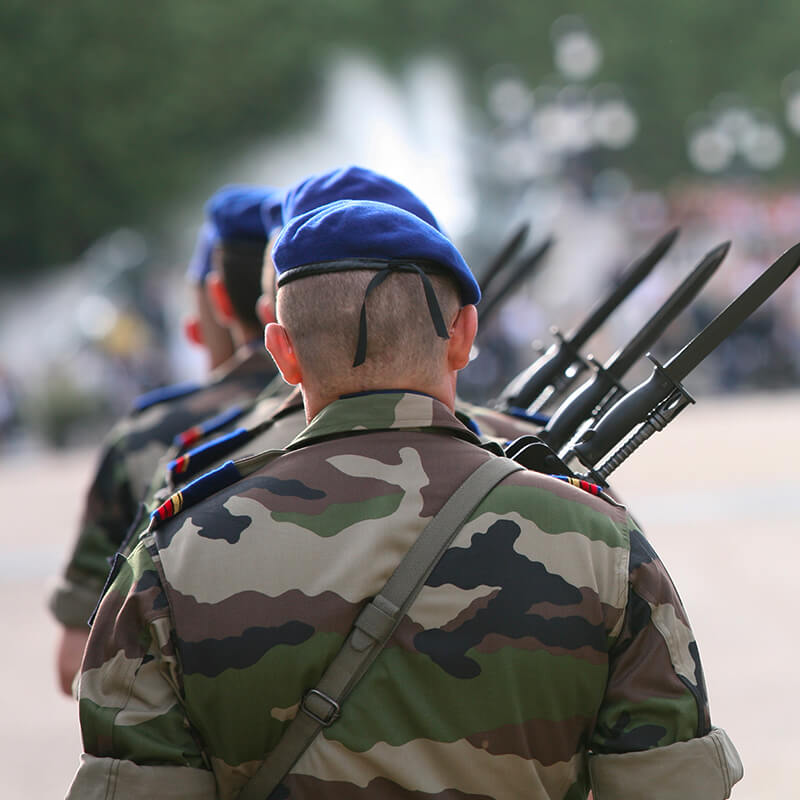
581,405
683,362
624,359
550,369
522,271
633,276
638,405
504,255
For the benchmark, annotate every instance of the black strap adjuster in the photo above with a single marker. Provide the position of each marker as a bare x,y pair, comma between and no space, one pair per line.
324,717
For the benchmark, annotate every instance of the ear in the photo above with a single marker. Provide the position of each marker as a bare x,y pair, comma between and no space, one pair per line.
265,310
462,335
281,349
193,331
220,299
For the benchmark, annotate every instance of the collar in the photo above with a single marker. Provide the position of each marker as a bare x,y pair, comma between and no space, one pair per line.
382,411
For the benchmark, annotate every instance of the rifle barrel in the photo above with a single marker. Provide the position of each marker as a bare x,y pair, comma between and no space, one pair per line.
633,276
504,255
675,303
523,270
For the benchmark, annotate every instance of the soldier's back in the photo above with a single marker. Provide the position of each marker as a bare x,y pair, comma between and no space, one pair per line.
504,650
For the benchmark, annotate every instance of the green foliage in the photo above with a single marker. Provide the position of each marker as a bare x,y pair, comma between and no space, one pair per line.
112,111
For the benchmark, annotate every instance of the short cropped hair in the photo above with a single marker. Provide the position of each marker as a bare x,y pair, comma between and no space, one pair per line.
321,314
239,263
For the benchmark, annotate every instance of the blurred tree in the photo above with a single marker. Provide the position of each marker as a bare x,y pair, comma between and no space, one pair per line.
112,111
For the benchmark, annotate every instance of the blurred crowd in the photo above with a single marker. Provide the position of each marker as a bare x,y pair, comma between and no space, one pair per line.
595,241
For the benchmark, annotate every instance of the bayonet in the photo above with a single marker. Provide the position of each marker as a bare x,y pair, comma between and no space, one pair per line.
519,273
658,400
551,369
605,385
504,255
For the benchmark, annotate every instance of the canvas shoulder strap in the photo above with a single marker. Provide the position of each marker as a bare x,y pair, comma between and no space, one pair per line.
374,626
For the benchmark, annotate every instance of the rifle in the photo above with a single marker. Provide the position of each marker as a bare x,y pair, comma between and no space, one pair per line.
503,256
562,362
604,387
655,402
522,270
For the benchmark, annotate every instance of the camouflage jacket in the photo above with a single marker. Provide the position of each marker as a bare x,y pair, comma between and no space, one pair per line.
547,653
273,423
129,456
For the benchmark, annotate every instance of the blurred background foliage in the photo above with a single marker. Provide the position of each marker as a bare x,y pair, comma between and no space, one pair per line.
599,125
113,112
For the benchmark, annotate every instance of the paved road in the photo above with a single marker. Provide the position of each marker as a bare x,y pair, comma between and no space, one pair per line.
716,494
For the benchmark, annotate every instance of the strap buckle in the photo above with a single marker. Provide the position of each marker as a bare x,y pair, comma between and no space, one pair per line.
325,718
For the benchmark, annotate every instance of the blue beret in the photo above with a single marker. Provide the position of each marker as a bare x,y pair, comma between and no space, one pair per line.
235,211
363,234
200,262
352,183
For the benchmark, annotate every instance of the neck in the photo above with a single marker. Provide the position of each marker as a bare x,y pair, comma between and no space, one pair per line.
315,400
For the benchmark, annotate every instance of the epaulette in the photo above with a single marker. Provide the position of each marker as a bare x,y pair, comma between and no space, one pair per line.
200,458
209,483
194,492
592,488
163,394
188,437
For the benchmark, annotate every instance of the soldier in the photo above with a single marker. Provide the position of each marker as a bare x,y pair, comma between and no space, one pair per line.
546,653
257,430
359,183
201,326
266,426
239,431
234,241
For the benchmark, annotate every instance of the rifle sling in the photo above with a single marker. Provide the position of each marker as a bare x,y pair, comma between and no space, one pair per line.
374,626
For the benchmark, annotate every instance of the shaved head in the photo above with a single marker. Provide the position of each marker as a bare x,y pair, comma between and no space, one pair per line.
321,316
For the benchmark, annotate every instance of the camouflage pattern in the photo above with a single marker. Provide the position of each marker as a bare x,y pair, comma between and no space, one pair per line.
266,426
548,634
128,459
274,420
272,423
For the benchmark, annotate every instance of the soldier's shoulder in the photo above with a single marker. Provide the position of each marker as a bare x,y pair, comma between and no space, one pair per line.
165,394
208,484
560,503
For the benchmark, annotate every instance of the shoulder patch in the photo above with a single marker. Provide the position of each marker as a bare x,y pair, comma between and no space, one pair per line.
192,435
200,458
163,394
183,467
194,492
591,488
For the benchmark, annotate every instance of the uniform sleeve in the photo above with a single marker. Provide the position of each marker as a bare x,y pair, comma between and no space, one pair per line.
109,510
654,726
137,740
